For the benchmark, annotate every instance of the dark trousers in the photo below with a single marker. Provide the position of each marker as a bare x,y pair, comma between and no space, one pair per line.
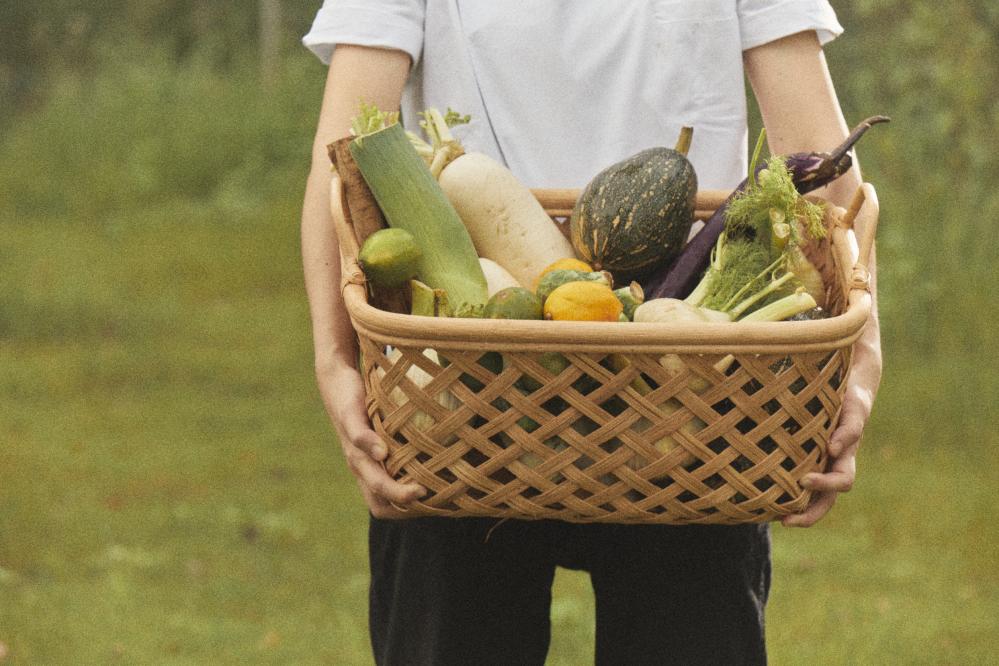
472,592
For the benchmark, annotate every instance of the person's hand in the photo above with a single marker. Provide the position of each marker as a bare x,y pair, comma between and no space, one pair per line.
862,386
343,393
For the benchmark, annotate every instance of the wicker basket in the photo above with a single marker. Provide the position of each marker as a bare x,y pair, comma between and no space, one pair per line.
749,407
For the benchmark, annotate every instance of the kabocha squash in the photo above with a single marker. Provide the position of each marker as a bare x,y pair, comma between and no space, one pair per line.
636,214
411,199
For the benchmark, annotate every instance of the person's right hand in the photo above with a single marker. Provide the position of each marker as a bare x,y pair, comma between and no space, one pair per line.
343,394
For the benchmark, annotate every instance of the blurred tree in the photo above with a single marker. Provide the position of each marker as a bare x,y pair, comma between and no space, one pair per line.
39,39
270,41
933,67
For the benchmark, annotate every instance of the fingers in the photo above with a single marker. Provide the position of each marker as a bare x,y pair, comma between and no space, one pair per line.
816,510
853,417
376,481
836,482
343,393
358,433
839,479
380,508
851,424
857,403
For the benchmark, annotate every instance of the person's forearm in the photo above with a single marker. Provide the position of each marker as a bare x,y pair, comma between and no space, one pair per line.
801,113
377,76
333,337
800,110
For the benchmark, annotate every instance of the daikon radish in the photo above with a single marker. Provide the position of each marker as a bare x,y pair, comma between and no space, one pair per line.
417,418
497,277
505,221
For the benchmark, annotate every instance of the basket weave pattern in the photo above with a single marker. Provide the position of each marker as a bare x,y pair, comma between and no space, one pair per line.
670,431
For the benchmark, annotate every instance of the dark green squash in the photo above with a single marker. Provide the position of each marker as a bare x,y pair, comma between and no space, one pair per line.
636,215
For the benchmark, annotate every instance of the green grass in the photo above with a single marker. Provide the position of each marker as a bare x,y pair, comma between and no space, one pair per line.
170,490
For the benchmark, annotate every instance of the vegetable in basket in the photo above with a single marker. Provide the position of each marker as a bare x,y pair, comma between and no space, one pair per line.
513,303
583,301
757,260
389,257
631,297
411,199
571,264
637,214
420,379
809,171
497,277
505,221
552,280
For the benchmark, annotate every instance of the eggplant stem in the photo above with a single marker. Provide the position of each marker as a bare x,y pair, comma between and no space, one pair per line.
842,149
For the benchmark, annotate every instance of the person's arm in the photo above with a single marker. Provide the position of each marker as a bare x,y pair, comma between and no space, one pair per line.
800,110
375,76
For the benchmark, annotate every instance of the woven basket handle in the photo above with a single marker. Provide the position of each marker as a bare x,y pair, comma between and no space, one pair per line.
865,208
350,271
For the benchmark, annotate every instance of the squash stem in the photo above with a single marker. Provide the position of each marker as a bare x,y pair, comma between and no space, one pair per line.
683,143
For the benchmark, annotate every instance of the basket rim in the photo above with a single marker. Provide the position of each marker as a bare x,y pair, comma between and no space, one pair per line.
610,337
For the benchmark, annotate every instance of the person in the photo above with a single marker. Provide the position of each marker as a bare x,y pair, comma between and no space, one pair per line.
558,90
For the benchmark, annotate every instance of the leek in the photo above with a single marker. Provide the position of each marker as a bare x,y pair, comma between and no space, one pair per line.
411,199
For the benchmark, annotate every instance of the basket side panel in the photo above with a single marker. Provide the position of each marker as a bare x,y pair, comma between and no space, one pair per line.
634,438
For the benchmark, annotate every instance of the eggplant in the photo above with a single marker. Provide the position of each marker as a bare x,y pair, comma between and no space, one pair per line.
810,171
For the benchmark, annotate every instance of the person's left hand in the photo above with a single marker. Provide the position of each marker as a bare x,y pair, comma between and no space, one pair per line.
862,386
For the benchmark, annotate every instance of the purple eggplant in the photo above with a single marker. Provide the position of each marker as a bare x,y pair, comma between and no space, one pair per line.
810,171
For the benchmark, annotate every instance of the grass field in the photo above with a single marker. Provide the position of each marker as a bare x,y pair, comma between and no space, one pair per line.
170,491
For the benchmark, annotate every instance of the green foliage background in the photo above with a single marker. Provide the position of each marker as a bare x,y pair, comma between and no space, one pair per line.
170,491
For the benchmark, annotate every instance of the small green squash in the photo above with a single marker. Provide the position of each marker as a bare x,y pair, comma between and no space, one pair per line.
389,257
636,215
513,303
631,297
555,279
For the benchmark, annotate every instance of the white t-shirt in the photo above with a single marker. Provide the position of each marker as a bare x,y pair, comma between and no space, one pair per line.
560,89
